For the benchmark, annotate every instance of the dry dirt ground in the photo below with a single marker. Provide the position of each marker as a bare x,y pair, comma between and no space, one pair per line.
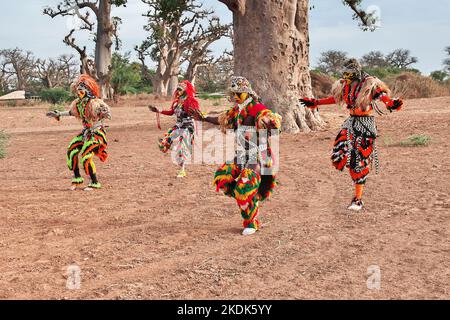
149,235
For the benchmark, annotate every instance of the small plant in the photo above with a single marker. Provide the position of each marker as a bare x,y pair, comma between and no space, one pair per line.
416,140
3,140
57,107
55,95
11,103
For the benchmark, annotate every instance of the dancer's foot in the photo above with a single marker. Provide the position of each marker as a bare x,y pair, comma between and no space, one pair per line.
248,231
92,186
356,205
182,173
76,182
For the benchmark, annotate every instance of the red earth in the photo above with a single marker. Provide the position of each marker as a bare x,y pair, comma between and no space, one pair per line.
150,235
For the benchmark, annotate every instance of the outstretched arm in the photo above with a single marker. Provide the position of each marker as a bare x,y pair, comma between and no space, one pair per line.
165,112
313,103
200,116
58,114
391,104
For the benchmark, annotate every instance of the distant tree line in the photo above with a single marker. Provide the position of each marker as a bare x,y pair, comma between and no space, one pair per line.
379,64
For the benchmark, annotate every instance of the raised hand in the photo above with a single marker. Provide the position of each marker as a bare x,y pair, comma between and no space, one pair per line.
53,114
395,104
309,102
153,108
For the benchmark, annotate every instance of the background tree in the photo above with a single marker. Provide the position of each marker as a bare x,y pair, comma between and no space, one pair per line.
271,48
400,58
330,62
176,27
105,32
126,76
58,72
439,75
374,59
447,60
17,67
214,77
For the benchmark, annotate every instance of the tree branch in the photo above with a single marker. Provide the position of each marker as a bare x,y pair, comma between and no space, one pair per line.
236,6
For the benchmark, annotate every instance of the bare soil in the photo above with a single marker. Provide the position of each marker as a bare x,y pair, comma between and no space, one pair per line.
149,235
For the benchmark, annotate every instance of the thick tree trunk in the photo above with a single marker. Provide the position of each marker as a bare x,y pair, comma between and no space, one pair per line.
173,68
172,86
103,51
271,49
191,73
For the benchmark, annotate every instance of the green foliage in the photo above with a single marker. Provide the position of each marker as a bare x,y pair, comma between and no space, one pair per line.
439,75
58,107
383,73
55,95
207,96
119,3
3,140
127,76
11,103
416,140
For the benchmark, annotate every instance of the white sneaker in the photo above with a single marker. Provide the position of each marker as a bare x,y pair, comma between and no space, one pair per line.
248,231
73,187
356,205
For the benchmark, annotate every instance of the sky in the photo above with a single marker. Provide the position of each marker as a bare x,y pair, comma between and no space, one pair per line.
420,26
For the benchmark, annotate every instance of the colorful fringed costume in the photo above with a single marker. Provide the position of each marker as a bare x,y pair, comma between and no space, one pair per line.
354,146
180,138
249,178
92,139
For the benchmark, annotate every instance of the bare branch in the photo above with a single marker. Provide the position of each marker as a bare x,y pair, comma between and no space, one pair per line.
368,21
237,6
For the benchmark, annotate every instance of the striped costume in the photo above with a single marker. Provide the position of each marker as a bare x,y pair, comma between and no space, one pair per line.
354,147
249,178
180,138
92,139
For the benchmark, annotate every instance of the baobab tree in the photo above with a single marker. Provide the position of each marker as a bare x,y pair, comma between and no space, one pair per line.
271,48
177,27
331,61
17,66
400,58
105,32
56,72
374,59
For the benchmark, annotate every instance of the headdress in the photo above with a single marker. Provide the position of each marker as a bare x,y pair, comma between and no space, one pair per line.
239,85
87,83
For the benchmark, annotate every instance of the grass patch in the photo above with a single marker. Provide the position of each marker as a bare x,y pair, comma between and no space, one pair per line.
3,140
417,140
11,103
57,107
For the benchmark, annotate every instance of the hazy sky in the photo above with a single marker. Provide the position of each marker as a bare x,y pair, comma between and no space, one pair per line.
421,26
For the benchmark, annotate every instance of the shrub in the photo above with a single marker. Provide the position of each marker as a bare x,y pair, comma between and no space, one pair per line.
411,85
55,95
3,140
416,141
